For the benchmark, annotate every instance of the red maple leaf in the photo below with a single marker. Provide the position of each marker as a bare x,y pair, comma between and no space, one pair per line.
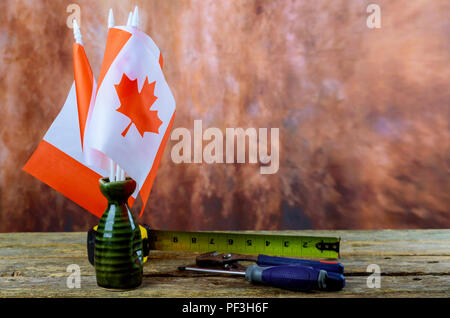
136,105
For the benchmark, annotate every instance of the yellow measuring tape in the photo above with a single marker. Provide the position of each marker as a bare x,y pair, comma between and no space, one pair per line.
231,242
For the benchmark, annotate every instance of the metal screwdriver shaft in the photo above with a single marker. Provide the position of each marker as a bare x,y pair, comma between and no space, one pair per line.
207,270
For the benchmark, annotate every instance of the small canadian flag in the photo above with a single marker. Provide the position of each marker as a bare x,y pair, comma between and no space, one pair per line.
126,118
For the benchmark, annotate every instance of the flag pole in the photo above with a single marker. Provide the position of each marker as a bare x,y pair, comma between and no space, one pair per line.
111,170
110,18
77,32
116,173
135,20
130,18
112,164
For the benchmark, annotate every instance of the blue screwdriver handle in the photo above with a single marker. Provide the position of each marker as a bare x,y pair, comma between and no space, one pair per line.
295,277
265,260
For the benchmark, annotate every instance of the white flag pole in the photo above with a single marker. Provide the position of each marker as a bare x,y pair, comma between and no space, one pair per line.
130,19
112,164
77,32
135,20
117,173
111,171
110,18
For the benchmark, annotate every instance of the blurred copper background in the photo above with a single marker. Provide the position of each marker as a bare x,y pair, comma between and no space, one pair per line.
363,113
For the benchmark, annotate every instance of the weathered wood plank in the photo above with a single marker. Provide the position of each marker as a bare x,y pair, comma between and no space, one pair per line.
177,286
413,263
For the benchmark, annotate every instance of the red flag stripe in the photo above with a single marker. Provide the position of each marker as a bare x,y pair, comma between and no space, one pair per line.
68,176
114,43
84,82
161,61
148,183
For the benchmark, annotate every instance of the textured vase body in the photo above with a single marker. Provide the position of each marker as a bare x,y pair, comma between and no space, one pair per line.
118,244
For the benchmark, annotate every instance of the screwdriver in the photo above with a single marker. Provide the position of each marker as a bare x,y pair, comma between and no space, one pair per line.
215,259
291,277
265,260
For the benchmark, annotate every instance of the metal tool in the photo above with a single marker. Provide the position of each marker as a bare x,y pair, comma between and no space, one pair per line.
230,261
291,277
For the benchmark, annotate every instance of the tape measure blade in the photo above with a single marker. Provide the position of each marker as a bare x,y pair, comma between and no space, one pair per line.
245,243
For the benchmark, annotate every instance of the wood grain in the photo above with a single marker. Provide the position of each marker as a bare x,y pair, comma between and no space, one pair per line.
413,264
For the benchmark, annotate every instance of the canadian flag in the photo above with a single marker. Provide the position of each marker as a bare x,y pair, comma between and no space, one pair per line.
134,107
127,118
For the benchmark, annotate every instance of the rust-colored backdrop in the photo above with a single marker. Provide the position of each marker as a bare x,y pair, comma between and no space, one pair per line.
363,113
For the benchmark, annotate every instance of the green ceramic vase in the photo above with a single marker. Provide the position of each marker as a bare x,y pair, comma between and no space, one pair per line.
118,244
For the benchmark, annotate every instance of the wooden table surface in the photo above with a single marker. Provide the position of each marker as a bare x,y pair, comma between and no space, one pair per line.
414,263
